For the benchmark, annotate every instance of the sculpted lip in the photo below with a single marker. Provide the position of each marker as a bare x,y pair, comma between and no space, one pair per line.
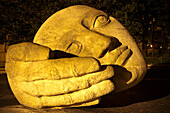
124,56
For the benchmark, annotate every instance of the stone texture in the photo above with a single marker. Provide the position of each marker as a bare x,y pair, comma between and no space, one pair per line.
104,49
41,82
149,96
27,52
63,86
87,32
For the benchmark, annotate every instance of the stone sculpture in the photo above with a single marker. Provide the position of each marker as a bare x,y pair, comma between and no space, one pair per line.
105,59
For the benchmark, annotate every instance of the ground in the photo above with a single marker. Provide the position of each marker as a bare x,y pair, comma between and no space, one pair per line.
152,95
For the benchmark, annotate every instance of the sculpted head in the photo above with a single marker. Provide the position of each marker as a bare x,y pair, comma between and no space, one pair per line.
88,32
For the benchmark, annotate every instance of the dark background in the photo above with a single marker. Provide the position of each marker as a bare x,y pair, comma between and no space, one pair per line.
20,19
146,20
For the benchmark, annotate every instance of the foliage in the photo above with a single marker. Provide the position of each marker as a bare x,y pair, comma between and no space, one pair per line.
20,19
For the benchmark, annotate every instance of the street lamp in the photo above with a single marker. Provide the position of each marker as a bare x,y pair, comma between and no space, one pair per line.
151,45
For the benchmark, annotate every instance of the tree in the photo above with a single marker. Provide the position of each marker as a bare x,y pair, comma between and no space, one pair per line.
20,19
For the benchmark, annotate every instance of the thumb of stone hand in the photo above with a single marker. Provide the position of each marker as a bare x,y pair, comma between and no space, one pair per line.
27,51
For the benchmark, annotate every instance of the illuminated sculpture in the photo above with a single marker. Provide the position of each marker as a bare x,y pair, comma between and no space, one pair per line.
105,59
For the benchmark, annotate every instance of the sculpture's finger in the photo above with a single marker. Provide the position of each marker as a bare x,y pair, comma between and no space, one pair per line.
123,57
63,86
23,98
85,95
52,69
119,50
88,103
35,102
112,56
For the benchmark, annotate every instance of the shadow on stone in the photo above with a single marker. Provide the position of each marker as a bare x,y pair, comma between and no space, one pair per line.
156,84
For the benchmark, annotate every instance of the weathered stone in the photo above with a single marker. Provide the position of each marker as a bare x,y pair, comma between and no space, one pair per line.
27,52
96,39
35,81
